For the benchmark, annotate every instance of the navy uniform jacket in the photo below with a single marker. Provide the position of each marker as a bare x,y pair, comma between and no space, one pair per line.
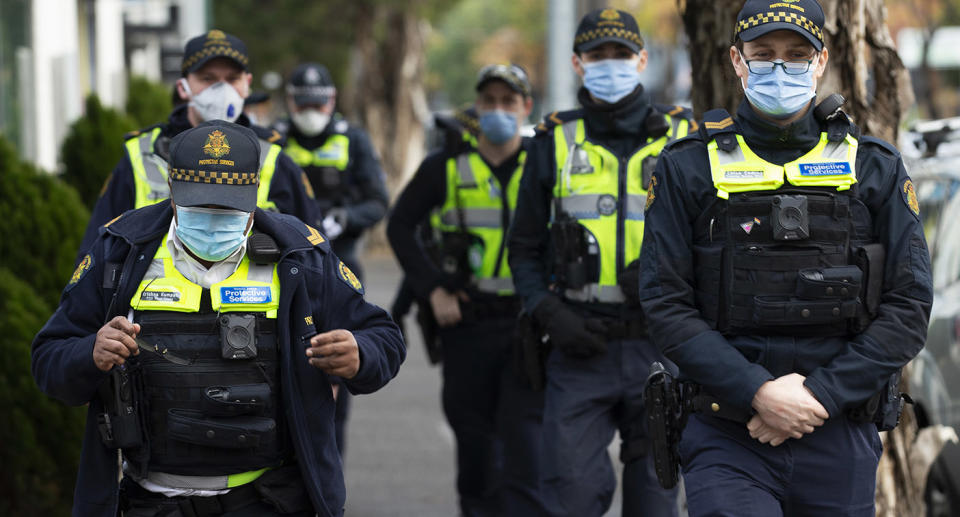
841,373
619,127
364,198
288,189
310,287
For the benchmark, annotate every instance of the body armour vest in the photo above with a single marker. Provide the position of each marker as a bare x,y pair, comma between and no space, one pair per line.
472,224
210,372
150,170
601,197
324,165
783,249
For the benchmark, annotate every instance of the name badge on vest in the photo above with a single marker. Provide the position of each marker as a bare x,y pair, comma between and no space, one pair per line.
160,296
824,169
246,295
743,175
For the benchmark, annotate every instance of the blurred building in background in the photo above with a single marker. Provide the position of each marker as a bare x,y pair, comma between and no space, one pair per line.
53,53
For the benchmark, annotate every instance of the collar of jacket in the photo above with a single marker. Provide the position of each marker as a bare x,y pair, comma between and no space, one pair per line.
800,135
617,120
152,222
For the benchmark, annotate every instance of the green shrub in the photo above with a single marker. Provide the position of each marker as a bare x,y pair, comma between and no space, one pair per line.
93,146
43,224
148,102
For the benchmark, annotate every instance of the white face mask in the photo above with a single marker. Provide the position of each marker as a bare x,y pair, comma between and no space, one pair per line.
310,122
217,102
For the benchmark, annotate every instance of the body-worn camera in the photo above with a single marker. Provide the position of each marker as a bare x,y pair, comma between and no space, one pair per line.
791,221
238,336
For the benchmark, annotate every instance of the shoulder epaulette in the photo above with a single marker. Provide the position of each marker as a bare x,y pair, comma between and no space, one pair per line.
883,144
557,118
694,138
134,134
674,110
265,133
314,236
719,125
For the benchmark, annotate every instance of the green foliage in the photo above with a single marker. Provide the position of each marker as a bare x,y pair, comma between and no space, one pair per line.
93,146
41,438
479,32
147,102
44,221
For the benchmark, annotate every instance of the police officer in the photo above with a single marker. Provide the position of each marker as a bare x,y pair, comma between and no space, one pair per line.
211,329
338,158
215,82
785,272
467,195
343,170
574,244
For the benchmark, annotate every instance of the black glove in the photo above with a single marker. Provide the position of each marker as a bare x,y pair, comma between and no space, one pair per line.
573,334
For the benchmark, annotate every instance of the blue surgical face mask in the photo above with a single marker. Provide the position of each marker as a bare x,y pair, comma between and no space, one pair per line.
779,94
611,79
498,126
211,233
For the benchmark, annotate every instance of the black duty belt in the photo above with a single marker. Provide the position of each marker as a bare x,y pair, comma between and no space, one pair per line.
490,308
193,506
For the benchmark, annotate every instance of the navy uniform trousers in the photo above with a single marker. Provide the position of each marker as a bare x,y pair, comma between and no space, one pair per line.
495,419
587,401
727,473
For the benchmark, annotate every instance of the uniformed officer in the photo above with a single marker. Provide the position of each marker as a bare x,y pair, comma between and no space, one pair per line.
338,158
343,170
467,194
215,82
203,333
785,272
574,246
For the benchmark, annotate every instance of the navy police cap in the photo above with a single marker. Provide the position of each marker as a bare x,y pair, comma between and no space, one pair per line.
311,83
215,163
213,44
759,17
607,25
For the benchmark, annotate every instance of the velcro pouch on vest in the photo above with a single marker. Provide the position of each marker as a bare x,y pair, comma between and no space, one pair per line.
242,432
871,258
837,283
242,399
776,311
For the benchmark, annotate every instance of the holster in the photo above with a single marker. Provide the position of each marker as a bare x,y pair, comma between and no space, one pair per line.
884,407
121,425
666,419
531,352
428,328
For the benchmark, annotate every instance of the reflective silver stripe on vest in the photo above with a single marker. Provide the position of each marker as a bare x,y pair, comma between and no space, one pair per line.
733,156
674,127
465,170
188,482
473,217
585,206
494,285
836,150
596,293
260,273
264,149
570,132
155,167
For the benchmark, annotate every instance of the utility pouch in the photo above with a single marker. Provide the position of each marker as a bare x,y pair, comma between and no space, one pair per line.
777,311
884,407
833,283
454,251
242,432
569,252
870,259
242,399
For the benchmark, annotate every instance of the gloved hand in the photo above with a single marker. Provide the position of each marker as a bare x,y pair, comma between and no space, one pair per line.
331,228
573,334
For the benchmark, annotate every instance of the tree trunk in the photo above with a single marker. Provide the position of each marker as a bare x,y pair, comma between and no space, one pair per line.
386,92
860,48
865,68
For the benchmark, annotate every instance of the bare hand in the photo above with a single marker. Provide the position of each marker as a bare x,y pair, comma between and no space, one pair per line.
788,407
446,306
764,433
115,342
335,352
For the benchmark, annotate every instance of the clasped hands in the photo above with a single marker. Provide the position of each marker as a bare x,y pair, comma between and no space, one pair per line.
785,409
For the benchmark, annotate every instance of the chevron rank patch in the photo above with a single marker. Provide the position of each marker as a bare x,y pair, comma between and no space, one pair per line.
349,278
